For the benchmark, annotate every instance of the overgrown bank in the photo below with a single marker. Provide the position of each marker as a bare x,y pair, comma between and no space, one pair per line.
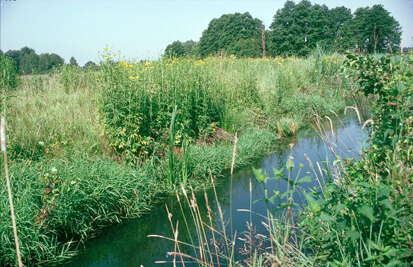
91,148
365,215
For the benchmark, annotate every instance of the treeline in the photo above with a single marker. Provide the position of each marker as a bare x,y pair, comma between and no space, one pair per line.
296,30
26,61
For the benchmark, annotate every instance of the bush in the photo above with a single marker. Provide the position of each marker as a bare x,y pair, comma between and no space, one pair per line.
8,73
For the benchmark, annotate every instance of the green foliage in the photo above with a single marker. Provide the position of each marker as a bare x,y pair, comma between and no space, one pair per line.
297,28
8,73
373,29
74,78
73,61
364,217
237,34
176,49
48,62
136,103
390,78
29,64
90,65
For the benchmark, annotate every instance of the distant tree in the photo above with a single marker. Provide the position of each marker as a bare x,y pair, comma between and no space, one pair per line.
338,18
89,64
73,61
29,64
232,33
189,47
297,28
44,63
1,52
373,29
176,49
16,56
55,60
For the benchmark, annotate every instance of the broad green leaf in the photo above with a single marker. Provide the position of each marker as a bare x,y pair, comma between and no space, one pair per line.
261,177
305,179
367,211
326,218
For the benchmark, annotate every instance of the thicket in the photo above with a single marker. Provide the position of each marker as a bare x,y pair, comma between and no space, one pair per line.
364,216
136,100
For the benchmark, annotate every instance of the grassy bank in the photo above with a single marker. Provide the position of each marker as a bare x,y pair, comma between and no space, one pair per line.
90,148
361,215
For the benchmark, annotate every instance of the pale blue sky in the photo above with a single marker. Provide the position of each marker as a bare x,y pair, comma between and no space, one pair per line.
140,29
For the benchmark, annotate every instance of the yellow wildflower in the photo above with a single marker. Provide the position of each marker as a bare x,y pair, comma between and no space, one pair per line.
131,77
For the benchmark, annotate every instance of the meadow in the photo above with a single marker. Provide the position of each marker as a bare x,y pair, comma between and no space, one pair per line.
91,148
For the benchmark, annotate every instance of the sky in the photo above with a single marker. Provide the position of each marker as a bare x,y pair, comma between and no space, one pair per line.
139,29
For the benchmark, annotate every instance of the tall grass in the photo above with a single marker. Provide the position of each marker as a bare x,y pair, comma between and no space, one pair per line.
72,132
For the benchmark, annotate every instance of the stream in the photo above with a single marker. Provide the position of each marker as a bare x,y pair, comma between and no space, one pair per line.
127,244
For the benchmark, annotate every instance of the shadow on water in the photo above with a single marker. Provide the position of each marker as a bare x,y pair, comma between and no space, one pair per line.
128,245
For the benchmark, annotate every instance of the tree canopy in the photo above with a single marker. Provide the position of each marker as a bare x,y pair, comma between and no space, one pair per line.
176,49
373,29
28,62
237,34
73,61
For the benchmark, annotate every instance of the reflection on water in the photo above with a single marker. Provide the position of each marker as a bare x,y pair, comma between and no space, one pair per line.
128,244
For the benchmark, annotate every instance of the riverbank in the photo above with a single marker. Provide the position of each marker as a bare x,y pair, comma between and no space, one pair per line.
90,148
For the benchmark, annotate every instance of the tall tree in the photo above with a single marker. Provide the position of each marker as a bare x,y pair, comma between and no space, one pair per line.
29,64
73,61
233,34
55,60
89,64
374,30
44,62
176,49
338,18
297,28
189,47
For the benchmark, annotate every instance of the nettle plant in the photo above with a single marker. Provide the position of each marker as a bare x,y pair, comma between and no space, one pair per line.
364,218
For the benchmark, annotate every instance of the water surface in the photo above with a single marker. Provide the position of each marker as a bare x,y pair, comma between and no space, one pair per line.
128,245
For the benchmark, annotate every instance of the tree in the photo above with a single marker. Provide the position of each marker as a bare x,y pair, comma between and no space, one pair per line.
29,63
44,62
297,28
373,29
73,61
176,49
55,60
232,33
338,18
189,47
89,64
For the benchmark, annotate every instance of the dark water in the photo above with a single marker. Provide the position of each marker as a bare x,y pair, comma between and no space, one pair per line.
128,244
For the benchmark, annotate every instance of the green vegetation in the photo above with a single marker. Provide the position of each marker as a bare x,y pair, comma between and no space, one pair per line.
90,148
237,34
8,73
364,216
297,29
28,62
